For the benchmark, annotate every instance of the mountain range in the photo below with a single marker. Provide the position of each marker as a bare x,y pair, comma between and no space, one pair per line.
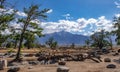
65,38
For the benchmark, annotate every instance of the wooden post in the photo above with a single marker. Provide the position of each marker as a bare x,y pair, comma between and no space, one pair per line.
1,65
5,63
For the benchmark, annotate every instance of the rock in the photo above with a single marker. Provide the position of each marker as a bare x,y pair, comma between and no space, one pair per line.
33,62
111,66
24,63
62,69
116,54
14,69
107,60
38,54
118,50
117,61
29,55
105,51
61,63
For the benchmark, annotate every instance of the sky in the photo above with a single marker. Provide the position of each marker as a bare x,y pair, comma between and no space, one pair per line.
75,16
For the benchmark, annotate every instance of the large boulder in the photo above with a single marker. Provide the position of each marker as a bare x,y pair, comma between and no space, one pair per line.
111,66
107,60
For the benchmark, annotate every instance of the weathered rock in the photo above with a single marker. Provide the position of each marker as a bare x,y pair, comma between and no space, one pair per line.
14,69
29,55
116,54
61,63
107,60
105,51
24,63
111,66
33,62
62,69
118,50
117,61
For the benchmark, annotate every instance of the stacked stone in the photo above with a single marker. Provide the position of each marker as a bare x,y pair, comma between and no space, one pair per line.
62,67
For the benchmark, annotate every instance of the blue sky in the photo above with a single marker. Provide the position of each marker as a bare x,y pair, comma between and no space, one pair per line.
90,15
76,8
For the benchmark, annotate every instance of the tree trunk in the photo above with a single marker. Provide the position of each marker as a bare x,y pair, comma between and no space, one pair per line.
28,45
19,48
21,40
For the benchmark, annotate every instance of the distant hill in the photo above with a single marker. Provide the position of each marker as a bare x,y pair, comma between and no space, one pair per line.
65,38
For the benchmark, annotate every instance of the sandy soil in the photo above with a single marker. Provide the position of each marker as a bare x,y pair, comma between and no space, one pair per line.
86,66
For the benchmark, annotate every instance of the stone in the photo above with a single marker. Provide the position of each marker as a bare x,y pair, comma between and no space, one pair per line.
105,51
118,50
14,69
116,54
29,55
61,63
62,69
111,66
117,61
107,60
33,62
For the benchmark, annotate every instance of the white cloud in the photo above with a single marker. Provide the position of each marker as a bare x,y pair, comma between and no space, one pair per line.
117,15
80,26
21,14
50,11
117,4
67,16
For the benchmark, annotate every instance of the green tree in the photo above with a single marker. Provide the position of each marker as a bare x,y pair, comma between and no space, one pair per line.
2,3
15,36
32,13
72,45
51,43
109,37
98,39
87,42
5,19
117,29
30,38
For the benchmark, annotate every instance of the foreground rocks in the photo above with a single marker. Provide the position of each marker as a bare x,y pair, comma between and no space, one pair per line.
111,66
14,69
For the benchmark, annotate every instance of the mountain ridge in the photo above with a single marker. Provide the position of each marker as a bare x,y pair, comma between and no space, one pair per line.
65,38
